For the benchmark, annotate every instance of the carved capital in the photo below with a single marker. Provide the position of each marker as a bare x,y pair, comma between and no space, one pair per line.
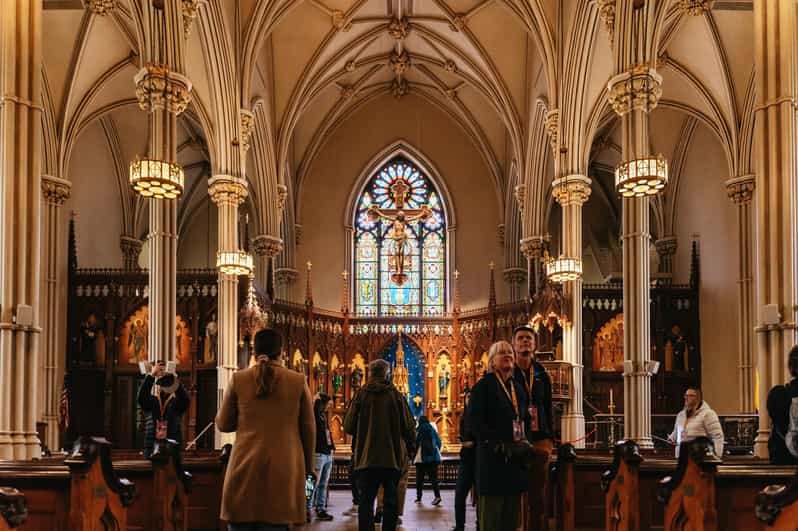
514,275
666,246
695,7
100,7
131,250
247,126
285,276
227,189
267,245
533,246
399,62
159,88
55,190
741,189
190,10
571,189
607,14
399,28
639,88
552,124
520,196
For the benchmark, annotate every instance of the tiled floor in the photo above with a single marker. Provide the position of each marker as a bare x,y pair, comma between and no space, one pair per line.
417,517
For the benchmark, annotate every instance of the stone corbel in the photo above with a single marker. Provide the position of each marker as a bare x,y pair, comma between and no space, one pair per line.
514,275
282,197
741,189
285,276
695,7
267,245
533,246
159,88
552,125
639,88
100,7
55,190
520,196
190,12
607,14
247,127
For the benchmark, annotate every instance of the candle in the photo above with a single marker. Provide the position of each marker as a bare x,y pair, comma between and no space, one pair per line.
611,395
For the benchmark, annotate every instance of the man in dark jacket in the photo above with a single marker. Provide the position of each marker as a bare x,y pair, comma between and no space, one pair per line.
380,421
779,401
323,458
536,384
498,413
163,400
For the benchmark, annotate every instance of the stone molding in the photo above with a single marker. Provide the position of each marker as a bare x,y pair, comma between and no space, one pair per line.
639,88
399,28
247,119
55,190
695,7
607,14
157,87
227,189
571,189
552,125
741,189
666,246
282,196
520,196
100,7
533,246
267,245
190,12
285,276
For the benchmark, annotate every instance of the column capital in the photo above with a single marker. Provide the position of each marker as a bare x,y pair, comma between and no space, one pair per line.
285,276
639,88
741,189
520,196
666,246
55,190
247,119
227,189
695,7
533,246
282,196
100,7
131,250
571,189
514,275
607,14
267,245
552,125
190,8
157,87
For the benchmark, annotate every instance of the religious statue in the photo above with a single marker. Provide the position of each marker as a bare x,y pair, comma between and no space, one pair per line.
338,382
356,379
89,333
608,346
676,350
211,330
400,377
137,341
399,254
179,340
443,382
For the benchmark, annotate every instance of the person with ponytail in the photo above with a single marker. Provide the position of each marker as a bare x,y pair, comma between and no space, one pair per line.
264,486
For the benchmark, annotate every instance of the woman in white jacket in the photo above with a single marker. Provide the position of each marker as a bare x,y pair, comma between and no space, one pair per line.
697,419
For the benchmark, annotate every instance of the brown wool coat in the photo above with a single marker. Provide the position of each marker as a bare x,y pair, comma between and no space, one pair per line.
275,438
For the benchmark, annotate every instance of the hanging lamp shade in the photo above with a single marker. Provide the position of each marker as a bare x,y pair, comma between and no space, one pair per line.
156,178
641,177
234,262
563,269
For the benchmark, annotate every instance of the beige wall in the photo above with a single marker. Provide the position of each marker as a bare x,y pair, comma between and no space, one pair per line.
326,188
705,210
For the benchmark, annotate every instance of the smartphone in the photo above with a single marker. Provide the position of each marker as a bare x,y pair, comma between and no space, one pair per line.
310,485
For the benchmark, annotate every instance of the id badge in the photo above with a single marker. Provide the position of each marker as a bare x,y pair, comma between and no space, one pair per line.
518,430
534,423
161,429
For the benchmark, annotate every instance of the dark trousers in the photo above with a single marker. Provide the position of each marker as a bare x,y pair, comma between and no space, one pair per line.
431,471
353,481
369,481
465,480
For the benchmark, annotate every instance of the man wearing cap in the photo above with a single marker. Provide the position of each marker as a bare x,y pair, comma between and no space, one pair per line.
535,381
163,401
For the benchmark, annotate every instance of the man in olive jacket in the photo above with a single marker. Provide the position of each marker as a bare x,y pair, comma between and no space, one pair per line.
380,421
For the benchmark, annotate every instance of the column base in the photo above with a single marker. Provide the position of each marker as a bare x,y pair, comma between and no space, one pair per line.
573,429
761,444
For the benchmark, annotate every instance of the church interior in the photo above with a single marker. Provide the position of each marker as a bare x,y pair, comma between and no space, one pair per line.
407,180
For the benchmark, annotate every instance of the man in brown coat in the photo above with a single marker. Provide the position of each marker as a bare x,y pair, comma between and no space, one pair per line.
269,407
383,429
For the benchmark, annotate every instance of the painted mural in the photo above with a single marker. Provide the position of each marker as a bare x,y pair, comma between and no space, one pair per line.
407,370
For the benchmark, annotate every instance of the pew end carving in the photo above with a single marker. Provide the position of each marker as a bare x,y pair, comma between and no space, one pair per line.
689,493
777,506
171,486
98,497
13,508
621,487
563,472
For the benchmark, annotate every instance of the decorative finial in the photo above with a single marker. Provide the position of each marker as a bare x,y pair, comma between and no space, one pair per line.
345,293
309,286
310,265
492,296
456,305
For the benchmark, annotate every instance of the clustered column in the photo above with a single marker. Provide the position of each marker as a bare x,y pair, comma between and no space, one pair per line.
228,192
666,250
20,203
533,248
572,192
741,191
54,191
266,247
131,250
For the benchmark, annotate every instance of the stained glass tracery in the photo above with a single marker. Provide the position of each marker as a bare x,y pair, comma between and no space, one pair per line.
424,291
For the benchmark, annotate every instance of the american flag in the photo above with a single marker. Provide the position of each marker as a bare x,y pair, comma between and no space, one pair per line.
63,410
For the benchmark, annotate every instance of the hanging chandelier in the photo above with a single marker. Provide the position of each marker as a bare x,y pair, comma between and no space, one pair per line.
641,177
563,269
234,262
156,178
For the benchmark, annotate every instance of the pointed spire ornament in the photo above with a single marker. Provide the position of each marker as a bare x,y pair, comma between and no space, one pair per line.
309,286
456,304
345,293
492,296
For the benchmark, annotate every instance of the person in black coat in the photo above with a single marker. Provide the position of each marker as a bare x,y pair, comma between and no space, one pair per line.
466,471
536,384
778,404
498,413
163,400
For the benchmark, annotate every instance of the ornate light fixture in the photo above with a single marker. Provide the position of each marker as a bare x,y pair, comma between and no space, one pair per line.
563,269
234,262
156,178
641,177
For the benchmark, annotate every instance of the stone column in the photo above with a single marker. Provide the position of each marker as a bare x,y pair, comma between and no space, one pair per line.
228,192
632,94
20,204
54,191
533,248
131,250
741,191
571,192
776,76
163,94
266,247
666,249
515,277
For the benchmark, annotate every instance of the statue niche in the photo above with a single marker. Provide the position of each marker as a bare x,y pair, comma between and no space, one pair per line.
91,343
133,342
548,332
608,346
443,374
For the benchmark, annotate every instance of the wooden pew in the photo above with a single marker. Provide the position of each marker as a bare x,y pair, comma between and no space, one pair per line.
689,493
171,484
621,487
224,458
13,508
564,498
777,506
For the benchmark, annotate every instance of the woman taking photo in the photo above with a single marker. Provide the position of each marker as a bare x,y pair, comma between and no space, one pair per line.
428,457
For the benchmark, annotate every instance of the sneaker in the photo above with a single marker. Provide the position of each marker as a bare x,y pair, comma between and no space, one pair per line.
352,511
378,517
436,501
324,516
418,500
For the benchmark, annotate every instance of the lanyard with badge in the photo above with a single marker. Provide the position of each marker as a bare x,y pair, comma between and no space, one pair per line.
518,424
534,422
162,426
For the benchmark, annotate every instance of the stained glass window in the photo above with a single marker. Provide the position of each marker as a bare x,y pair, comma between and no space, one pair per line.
422,289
